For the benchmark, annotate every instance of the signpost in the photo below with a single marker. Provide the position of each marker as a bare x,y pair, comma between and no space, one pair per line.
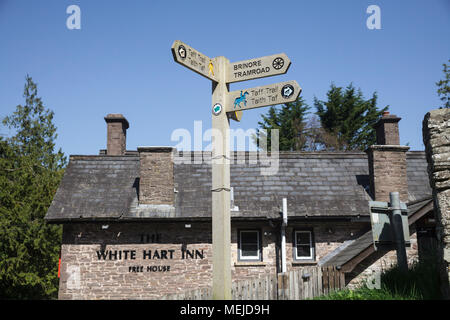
229,105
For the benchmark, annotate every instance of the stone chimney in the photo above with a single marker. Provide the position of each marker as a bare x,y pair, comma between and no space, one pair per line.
117,127
156,185
387,161
387,130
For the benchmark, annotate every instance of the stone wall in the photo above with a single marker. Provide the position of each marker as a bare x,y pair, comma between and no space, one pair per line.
436,137
117,126
88,273
379,261
85,276
387,167
156,184
328,237
387,131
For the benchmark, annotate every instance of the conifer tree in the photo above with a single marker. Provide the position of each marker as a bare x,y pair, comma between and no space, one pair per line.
30,171
349,118
290,120
444,86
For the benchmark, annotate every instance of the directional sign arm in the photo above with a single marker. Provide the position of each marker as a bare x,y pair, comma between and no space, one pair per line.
195,60
258,68
272,94
235,115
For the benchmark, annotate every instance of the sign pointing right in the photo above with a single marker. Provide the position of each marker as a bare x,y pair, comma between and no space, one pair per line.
272,94
258,68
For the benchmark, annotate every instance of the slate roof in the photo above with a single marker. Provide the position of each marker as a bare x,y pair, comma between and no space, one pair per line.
95,187
316,185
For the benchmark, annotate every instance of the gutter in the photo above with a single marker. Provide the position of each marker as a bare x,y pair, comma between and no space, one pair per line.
283,237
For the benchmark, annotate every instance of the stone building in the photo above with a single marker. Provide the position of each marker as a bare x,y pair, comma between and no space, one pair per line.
137,223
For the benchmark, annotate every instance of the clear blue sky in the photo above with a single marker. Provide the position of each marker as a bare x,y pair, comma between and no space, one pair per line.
120,60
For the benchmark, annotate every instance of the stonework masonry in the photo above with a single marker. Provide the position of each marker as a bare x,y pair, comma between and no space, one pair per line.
158,239
387,130
156,184
388,173
381,260
117,127
85,274
436,137
387,161
387,167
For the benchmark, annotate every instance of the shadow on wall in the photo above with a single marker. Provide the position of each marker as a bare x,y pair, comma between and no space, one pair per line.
364,181
125,233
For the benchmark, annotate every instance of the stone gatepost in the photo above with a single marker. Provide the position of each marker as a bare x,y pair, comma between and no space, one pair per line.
436,137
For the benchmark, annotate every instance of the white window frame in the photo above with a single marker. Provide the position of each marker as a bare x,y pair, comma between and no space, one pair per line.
311,245
258,239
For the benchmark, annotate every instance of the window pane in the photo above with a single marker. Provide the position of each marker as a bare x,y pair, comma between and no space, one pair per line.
303,238
249,244
303,251
249,237
249,250
303,242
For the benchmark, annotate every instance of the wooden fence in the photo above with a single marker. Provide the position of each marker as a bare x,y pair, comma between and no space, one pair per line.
264,288
309,282
299,284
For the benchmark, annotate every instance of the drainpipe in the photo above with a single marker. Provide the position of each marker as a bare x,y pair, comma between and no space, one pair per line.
283,236
397,224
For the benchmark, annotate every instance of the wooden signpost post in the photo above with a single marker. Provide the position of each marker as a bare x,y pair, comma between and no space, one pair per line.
229,105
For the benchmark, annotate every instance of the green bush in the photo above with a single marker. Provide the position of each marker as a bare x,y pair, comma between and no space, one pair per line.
420,282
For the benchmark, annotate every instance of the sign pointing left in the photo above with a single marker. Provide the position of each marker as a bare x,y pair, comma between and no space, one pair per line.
195,60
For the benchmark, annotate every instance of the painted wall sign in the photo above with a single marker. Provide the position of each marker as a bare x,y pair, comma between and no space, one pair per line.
148,269
258,68
272,94
151,254
148,254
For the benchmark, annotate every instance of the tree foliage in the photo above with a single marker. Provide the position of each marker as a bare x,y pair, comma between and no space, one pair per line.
30,171
444,86
289,119
348,118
